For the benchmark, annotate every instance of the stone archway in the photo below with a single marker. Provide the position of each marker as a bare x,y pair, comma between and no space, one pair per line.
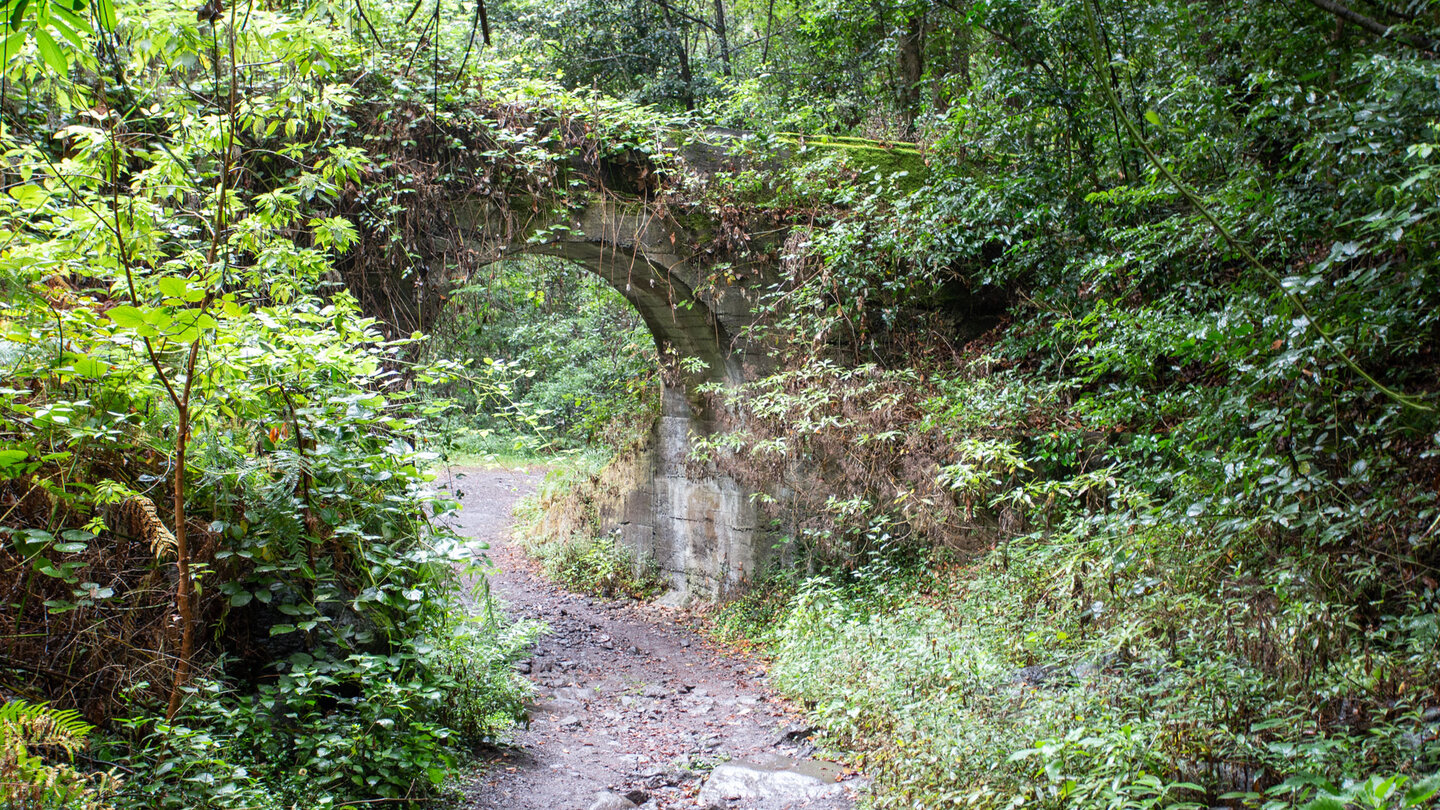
490,201
699,526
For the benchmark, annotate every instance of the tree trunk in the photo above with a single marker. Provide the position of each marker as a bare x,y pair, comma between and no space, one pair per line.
184,590
769,31
724,40
912,70
681,54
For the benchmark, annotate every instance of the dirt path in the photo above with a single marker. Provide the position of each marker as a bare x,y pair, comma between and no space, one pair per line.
632,709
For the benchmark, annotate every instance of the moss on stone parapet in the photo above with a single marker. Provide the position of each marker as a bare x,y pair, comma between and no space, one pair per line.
869,156
698,224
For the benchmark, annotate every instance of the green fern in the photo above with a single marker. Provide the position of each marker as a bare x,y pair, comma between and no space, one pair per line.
39,725
27,781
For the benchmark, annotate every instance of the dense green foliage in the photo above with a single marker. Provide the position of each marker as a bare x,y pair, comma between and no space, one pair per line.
572,364
176,355
1101,436
1211,568
879,68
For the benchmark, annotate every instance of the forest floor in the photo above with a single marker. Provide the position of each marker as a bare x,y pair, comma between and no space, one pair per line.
632,707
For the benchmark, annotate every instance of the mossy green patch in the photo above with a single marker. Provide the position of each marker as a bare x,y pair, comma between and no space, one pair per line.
885,158
697,223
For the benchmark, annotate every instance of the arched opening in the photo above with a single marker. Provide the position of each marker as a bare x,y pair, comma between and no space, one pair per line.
695,300
559,360
600,346
684,327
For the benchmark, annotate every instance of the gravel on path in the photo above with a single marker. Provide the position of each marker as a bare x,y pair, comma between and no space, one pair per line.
632,708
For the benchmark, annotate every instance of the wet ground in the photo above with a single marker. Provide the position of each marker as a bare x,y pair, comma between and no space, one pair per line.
632,708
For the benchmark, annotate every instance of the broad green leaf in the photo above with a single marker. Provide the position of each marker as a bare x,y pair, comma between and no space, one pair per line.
126,316
173,286
12,458
105,14
29,195
50,52
31,541
65,571
17,15
87,366
1152,117
69,26
1422,791
12,45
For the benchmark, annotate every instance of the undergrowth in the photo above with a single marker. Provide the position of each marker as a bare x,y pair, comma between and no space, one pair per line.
748,617
31,780
1185,439
1092,670
217,540
560,527
599,566
391,725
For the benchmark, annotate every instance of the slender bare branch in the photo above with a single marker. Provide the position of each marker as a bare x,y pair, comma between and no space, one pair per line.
1376,27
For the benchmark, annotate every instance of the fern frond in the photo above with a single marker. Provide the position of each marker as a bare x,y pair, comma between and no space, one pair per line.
27,781
39,726
138,516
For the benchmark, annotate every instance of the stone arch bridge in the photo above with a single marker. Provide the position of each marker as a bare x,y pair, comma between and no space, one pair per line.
700,526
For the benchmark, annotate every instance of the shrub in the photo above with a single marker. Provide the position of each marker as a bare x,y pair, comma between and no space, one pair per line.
601,566
751,617
387,725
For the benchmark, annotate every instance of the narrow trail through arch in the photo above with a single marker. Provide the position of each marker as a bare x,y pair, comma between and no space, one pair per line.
629,702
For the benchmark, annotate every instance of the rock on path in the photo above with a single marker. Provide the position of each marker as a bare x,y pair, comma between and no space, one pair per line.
632,710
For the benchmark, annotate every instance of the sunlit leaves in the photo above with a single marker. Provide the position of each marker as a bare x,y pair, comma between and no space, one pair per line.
334,232
179,288
42,21
177,325
127,317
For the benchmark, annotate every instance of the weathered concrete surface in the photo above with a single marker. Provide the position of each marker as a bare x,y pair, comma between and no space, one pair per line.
699,526
705,536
